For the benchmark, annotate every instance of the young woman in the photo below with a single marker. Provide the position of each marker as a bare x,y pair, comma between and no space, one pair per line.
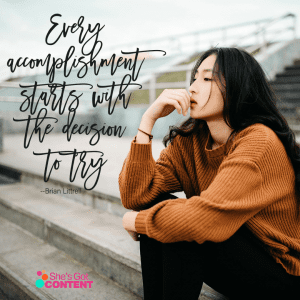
238,163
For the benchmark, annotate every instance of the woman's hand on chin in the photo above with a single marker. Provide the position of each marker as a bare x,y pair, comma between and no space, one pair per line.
167,102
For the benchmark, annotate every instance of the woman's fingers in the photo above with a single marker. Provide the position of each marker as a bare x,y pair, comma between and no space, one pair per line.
175,103
182,97
187,99
134,235
169,100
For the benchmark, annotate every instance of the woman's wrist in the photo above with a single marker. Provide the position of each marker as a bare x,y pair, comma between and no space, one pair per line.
129,220
146,126
147,120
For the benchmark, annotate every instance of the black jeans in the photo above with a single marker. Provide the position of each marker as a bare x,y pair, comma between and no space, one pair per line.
239,268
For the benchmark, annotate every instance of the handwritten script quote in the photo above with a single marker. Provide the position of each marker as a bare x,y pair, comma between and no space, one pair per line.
64,97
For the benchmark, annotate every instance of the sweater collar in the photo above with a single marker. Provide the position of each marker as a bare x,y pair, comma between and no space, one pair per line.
219,152
211,153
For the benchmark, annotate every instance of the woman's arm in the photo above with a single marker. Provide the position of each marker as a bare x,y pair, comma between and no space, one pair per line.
142,179
234,196
237,193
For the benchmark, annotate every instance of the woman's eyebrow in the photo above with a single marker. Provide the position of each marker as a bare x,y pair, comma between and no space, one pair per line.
204,70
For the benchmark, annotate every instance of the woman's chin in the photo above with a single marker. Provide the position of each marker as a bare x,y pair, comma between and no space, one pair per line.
195,115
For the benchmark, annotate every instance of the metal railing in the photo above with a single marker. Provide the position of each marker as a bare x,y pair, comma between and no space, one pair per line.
260,40
261,45
226,36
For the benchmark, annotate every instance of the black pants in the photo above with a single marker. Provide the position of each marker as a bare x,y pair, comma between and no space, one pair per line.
239,268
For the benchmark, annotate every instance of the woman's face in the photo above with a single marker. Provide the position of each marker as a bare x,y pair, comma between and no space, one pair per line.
200,90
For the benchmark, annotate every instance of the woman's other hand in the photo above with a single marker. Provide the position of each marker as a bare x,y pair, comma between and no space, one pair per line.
129,224
167,102
134,235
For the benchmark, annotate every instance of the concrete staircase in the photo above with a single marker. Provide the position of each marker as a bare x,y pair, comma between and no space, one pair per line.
287,88
56,234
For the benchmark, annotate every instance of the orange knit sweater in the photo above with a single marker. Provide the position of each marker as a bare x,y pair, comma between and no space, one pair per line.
252,183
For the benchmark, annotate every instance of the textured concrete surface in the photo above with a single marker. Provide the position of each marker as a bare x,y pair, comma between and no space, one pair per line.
24,254
92,237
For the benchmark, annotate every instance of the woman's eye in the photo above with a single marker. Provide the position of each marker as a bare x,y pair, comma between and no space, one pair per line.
206,79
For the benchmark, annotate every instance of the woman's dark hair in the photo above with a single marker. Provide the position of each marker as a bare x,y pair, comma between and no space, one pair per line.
248,99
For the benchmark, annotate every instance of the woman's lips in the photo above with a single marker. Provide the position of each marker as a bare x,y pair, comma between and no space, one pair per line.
193,102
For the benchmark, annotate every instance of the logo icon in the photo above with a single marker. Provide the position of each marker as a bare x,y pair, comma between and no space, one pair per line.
40,282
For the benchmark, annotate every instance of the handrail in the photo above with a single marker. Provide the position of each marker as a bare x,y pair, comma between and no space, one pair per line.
263,29
223,29
151,78
190,42
188,33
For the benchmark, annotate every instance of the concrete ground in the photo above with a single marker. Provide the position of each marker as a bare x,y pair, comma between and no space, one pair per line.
56,234
23,254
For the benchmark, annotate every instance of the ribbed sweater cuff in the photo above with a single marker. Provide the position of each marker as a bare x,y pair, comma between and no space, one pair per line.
140,221
140,152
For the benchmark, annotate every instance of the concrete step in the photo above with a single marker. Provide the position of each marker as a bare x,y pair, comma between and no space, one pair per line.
76,229
281,79
286,87
22,255
93,237
290,115
297,62
291,95
289,103
294,67
295,128
6,180
290,72
287,108
92,198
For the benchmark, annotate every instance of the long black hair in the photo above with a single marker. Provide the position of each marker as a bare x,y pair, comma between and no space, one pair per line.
248,99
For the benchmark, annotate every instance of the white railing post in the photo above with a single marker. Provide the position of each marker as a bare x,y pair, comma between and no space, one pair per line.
295,23
187,79
264,45
179,48
225,31
224,37
196,39
257,32
152,89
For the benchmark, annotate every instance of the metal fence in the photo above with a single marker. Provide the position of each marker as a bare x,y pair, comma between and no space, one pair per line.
256,37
